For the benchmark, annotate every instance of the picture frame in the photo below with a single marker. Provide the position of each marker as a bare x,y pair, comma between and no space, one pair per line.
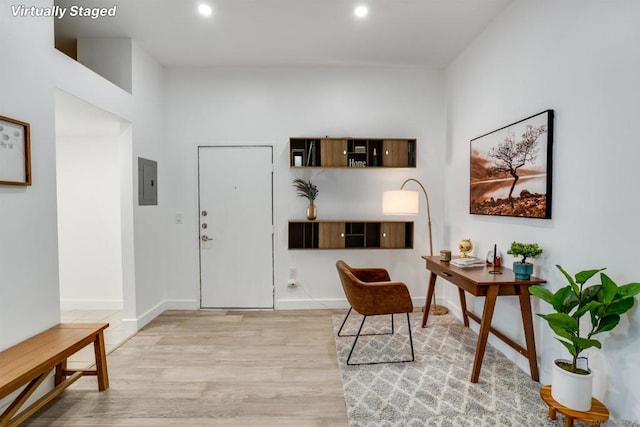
511,169
15,154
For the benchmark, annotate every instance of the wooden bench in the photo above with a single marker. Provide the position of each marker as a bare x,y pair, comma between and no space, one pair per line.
29,363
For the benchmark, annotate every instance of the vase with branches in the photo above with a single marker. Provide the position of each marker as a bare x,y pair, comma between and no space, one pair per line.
309,191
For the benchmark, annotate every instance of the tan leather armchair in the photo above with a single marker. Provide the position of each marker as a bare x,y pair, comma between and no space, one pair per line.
371,292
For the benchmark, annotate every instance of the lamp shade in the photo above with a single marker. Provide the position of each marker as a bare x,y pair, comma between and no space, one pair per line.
400,202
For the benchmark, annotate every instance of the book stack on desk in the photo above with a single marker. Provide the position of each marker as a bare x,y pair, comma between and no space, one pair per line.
469,262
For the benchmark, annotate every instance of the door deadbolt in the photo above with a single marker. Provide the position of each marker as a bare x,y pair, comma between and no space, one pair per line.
204,225
204,213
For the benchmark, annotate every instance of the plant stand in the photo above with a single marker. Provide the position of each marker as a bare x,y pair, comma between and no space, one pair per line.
596,415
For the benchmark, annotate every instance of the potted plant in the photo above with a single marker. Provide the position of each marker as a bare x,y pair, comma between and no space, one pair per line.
522,268
605,302
309,191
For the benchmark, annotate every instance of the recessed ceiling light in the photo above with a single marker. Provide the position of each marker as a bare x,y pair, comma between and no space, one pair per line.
205,9
361,11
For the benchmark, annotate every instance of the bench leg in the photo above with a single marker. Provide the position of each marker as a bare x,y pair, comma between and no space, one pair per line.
8,414
552,413
101,362
568,421
60,374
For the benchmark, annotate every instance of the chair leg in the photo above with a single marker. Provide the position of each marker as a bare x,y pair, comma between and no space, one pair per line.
344,321
410,339
392,330
356,340
353,346
362,335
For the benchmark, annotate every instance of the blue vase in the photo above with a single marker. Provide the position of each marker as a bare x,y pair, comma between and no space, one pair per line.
523,270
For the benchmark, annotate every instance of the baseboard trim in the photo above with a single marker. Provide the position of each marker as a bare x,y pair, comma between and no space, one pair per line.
311,304
329,303
143,320
284,304
91,304
182,304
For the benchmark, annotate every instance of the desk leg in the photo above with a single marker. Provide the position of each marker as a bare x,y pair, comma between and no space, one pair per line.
463,305
527,323
101,362
485,326
427,304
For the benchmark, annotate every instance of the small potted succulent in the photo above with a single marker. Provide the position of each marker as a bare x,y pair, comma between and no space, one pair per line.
309,191
571,384
522,268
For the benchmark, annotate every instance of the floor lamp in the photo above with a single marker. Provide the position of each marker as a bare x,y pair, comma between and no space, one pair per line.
406,202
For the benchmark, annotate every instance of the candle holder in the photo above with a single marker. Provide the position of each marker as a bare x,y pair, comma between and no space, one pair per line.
496,260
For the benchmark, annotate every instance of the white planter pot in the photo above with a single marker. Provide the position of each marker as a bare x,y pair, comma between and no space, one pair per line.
571,390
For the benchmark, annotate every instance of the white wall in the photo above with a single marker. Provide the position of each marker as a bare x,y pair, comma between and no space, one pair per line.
108,56
269,105
84,84
150,222
28,239
89,231
581,59
143,227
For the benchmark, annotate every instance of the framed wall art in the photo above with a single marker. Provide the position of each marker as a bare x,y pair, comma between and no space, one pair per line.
15,158
511,169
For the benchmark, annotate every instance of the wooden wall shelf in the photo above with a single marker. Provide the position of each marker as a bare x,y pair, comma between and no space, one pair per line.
352,153
350,234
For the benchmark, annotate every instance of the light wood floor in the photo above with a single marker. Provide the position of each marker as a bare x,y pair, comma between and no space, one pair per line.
114,335
205,368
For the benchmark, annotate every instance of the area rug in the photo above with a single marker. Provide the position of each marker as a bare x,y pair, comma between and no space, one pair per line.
435,389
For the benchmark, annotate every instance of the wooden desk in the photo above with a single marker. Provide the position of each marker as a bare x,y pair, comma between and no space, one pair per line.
479,282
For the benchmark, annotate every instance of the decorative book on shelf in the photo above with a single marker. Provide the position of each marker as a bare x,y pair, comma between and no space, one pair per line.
468,262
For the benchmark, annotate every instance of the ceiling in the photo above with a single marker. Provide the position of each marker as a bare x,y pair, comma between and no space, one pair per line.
290,32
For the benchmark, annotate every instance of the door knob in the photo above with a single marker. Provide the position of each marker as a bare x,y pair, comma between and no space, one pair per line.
205,238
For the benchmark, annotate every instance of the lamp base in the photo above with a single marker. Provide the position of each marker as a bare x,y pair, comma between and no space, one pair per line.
437,310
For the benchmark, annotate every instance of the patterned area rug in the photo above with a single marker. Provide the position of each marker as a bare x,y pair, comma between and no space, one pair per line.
435,389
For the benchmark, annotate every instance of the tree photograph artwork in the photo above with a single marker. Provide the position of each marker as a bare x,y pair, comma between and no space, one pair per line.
511,169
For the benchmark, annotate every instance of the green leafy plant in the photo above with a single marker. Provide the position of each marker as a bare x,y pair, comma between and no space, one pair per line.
525,250
604,303
305,189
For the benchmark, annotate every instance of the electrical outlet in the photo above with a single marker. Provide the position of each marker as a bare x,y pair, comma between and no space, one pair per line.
293,277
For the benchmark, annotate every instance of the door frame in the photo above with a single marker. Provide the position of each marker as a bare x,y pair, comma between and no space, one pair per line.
273,227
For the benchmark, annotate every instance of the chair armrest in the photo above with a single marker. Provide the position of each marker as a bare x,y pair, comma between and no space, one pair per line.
371,274
384,298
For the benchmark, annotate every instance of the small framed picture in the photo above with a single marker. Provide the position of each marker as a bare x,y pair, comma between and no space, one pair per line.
296,157
15,157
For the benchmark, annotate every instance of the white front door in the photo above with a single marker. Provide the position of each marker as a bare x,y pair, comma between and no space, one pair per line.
236,226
